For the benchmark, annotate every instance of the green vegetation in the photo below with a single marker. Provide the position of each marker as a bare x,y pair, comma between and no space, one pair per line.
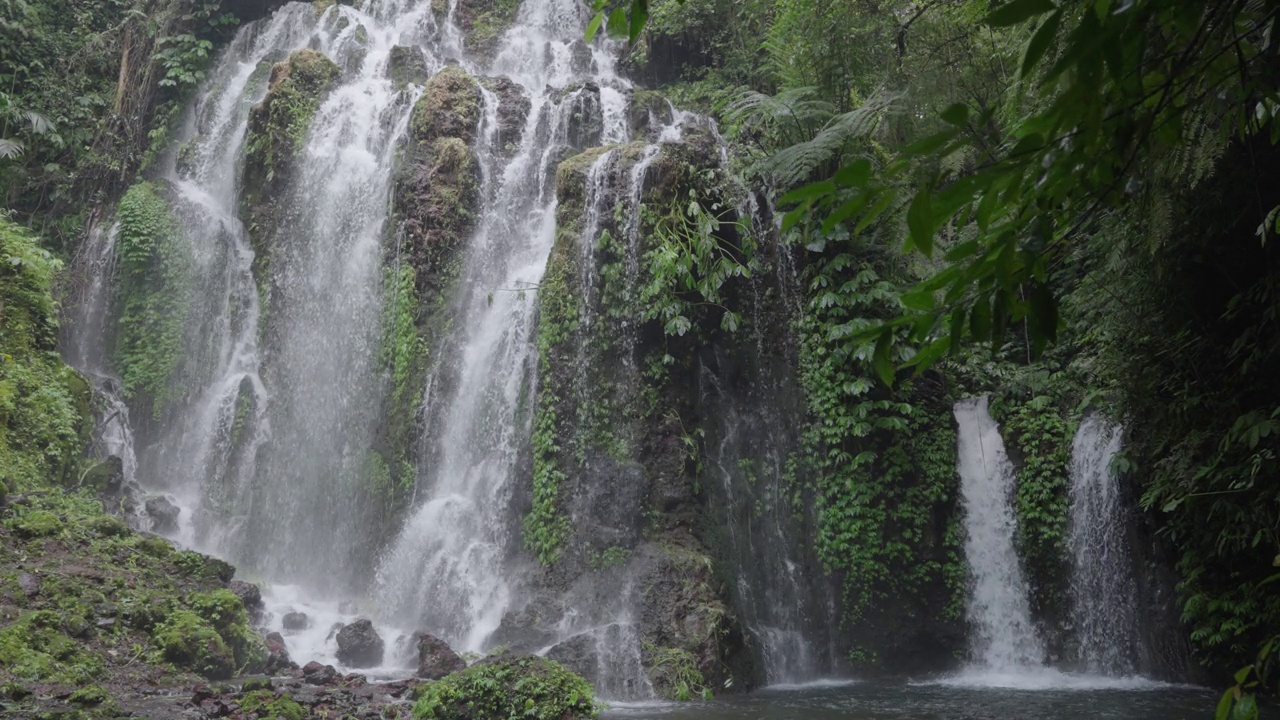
674,672
44,405
502,687
155,272
107,597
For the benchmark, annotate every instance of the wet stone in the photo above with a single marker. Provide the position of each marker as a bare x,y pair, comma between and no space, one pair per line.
30,584
359,645
296,621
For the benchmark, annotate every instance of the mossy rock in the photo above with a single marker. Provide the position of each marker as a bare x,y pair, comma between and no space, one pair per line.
504,686
484,21
267,704
449,107
407,65
187,640
277,132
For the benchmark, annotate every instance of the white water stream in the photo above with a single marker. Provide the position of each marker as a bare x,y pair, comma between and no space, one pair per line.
1002,637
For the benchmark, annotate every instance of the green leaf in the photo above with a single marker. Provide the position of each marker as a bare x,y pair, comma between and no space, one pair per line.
808,192
618,26
881,359
1224,705
855,174
1012,13
918,300
639,16
920,222
1040,42
593,27
957,114
980,319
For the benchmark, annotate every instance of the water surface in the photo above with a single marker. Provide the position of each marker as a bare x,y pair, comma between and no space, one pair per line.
897,700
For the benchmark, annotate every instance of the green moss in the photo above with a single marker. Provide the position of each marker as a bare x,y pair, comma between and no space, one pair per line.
674,673
266,704
155,266
527,687
35,648
486,20
38,523
449,107
44,417
546,527
277,132
187,640
90,695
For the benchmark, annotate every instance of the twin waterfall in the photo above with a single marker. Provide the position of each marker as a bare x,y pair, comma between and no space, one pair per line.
1005,645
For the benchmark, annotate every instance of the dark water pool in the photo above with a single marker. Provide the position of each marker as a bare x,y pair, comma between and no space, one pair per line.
962,699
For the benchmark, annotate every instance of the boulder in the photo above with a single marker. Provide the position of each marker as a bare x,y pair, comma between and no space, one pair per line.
407,65
29,584
296,621
250,596
579,654
162,514
359,645
513,112
313,673
278,660
435,658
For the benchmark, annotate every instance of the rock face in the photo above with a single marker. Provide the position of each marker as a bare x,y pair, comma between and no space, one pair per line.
513,111
277,129
359,645
407,65
614,509
278,660
435,658
436,194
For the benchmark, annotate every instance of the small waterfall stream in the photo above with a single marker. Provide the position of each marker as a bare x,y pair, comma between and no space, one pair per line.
1103,591
1002,636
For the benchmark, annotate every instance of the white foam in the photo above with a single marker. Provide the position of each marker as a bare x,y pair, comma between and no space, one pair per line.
818,684
1040,679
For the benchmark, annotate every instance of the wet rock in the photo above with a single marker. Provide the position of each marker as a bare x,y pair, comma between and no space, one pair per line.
578,653
359,645
333,631
513,111
30,584
296,621
407,65
162,514
313,673
585,116
435,658
251,597
580,60
278,660
648,112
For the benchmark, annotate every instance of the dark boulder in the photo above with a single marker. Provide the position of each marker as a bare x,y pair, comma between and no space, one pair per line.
162,514
29,584
359,645
278,660
578,653
435,658
407,65
296,621
250,596
313,673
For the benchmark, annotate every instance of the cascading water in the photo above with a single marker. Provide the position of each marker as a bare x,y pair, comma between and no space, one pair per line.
1002,636
1103,590
452,570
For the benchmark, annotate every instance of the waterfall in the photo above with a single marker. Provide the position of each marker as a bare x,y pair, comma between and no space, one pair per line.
1103,588
453,568
1002,637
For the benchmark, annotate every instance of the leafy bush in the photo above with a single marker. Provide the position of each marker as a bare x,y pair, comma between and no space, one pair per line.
504,687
